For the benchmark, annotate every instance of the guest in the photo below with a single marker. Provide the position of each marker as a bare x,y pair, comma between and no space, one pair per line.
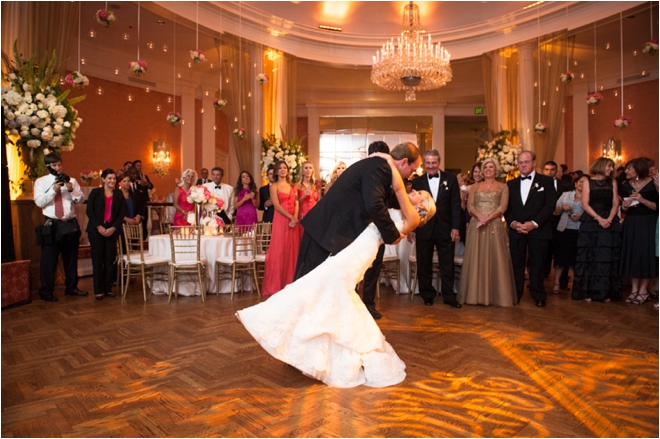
56,195
143,179
106,209
282,254
577,175
336,172
265,203
550,170
127,165
463,180
569,207
440,233
140,197
246,200
408,184
531,203
309,190
564,175
640,202
205,177
181,204
136,212
599,238
476,172
223,191
487,273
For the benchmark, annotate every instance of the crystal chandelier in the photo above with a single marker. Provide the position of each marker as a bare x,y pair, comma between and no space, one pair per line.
411,64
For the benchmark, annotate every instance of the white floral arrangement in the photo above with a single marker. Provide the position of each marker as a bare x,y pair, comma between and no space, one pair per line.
203,196
239,133
622,122
262,78
274,149
36,110
174,118
88,176
78,79
197,56
651,47
105,17
219,104
540,128
502,150
567,77
212,221
594,98
138,67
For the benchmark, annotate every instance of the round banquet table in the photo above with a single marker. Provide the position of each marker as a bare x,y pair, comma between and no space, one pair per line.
211,248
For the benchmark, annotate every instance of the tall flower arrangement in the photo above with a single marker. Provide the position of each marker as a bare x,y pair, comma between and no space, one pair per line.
274,149
37,110
502,150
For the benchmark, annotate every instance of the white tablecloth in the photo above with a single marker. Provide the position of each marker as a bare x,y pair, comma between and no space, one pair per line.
211,248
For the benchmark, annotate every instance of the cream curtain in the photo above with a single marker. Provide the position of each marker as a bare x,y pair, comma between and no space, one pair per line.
553,95
280,94
237,66
500,72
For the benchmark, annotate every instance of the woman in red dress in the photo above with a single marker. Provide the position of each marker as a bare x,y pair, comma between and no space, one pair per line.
181,204
309,190
285,239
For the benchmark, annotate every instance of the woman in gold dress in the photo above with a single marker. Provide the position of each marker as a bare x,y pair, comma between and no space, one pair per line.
487,275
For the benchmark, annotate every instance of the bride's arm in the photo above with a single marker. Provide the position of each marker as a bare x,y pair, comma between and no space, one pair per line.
408,211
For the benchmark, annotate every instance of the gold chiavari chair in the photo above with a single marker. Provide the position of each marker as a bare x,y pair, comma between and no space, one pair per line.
262,234
389,270
135,258
185,257
241,259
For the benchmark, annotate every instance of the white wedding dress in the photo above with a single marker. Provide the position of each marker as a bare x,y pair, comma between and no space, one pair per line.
319,325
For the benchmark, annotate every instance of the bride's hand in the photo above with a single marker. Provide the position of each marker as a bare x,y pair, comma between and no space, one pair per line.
387,157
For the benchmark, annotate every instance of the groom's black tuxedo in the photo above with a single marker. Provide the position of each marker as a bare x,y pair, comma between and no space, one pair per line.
436,233
538,208
357,198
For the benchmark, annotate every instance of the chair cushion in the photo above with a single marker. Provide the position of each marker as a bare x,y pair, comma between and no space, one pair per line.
135,257
189,262
458,260
239,259
390,258
148,260
260,258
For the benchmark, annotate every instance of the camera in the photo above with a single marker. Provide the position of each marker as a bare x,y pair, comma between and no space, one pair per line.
62,178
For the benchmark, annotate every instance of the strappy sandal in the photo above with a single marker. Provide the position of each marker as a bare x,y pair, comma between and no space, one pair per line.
632,297
556,289
640,299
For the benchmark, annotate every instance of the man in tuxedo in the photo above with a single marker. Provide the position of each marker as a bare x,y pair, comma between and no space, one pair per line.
223,191
532,200
550,169
441,232
357,199
264,198
205,177
143,179
140,196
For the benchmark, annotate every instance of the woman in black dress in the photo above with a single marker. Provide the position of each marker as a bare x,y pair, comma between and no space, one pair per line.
640,202
106,209
599,238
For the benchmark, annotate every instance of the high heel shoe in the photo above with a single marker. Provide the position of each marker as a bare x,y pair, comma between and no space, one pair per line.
632,297
640,299
555,290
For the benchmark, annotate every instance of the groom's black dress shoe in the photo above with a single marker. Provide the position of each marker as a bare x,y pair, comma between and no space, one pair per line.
374,312
540,303
453,304
428,302
75,292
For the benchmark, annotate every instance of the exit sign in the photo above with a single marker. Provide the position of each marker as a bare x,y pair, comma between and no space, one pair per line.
478,110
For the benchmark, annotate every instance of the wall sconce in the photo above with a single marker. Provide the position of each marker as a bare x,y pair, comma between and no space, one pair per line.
612,150
161,158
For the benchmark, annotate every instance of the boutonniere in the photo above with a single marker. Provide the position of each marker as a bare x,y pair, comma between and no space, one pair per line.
444,183
536,185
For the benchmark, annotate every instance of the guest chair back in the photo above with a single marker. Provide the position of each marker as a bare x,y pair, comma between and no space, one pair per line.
185,242
389,270
136,259
262,234
241,260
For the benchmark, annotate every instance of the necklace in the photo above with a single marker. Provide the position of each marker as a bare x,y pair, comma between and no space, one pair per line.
637,184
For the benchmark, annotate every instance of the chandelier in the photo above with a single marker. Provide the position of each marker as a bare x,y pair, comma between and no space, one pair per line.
411,64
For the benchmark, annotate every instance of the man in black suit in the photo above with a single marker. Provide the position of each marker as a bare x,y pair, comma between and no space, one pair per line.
264,198
550,169
140,196
357,199
441,232
143,179
532,200
205,177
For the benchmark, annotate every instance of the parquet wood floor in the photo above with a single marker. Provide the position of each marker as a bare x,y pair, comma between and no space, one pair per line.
87,368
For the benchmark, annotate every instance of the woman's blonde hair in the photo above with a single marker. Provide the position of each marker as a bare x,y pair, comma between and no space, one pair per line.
426,209
495,163
312,179
333,176
599,167
185,174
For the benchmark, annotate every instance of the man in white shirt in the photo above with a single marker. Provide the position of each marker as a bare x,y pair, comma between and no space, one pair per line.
223,191
55,194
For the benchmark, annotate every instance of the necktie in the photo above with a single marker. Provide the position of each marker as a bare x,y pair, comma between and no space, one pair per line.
529,177
59,206
434,176
217,186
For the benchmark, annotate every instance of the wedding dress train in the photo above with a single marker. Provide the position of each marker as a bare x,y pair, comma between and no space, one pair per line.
319,325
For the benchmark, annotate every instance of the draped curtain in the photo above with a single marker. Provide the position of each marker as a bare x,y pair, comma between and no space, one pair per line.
500,72
553,95
280,94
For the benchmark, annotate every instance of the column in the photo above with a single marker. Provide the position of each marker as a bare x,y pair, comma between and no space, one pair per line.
208,133
314,138
188,94
526,95
580,127
438,137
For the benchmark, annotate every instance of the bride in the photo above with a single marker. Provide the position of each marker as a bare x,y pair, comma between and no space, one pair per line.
319,325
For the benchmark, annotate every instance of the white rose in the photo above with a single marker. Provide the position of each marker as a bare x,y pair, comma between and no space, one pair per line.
10,116
13,98
42,114
59,120
12,76
35,131
13,132
67,124
57,129
47,134
40,124
506,168
34,143
55,141
40,97
506,148
46,151
25,133
60,111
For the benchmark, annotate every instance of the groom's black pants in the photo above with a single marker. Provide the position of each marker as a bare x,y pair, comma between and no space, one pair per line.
310,256
372,277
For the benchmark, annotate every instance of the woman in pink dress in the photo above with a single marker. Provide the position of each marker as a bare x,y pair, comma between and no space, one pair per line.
246,200
285,238
181,203
309,190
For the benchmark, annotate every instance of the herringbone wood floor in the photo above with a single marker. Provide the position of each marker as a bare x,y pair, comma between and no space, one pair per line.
82,367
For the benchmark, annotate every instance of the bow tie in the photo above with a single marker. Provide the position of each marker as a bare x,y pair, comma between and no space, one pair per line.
529,177
434,176
217,186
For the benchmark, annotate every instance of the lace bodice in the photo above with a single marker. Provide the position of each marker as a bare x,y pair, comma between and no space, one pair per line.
487,202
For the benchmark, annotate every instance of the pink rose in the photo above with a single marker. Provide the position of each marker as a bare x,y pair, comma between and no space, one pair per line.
69,79
102,14
142,63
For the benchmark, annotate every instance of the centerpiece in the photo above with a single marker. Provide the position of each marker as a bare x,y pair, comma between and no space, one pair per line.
88,176
36,110
504,151
206,204
274,149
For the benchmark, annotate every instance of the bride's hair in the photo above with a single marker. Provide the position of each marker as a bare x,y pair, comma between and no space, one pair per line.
426,209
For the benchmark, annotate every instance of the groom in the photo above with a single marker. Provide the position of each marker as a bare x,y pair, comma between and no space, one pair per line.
357,198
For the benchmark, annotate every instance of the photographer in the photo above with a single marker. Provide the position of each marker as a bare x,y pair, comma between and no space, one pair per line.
55,194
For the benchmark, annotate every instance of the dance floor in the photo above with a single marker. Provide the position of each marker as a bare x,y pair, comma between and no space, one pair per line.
82,367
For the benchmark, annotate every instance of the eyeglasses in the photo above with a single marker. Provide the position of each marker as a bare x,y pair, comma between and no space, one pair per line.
525,162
